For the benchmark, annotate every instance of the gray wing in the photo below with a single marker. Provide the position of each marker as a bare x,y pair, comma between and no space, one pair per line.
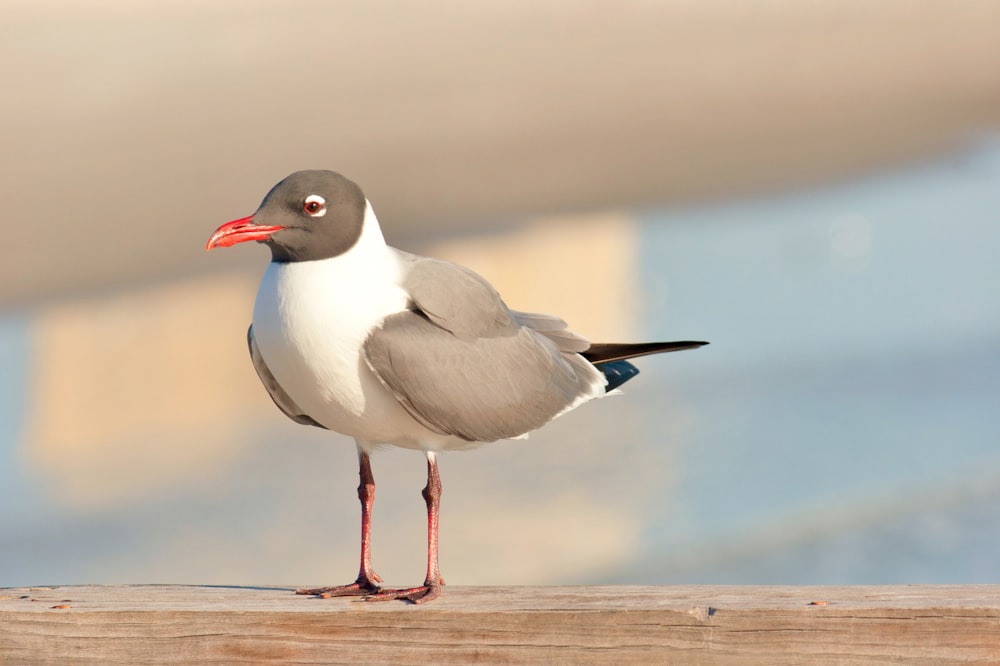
278,395
554,329
463,364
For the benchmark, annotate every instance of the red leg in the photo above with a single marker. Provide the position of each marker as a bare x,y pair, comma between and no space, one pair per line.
367,581
431,588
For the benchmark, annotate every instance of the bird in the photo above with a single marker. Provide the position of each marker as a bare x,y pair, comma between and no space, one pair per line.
388,347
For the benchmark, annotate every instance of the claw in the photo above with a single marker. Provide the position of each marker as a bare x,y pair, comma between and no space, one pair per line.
415,595
356,589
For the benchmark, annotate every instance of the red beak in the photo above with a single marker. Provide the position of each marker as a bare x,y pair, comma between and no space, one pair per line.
239,231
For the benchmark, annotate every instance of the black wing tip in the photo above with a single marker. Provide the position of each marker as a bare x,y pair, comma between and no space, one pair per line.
604,352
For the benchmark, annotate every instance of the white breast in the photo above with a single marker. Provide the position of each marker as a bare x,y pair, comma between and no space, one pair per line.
310,320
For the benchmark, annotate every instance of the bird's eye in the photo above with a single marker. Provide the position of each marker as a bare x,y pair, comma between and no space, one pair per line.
314,206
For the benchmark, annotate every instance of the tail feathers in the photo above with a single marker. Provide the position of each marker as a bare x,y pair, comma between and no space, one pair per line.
601,353
609,358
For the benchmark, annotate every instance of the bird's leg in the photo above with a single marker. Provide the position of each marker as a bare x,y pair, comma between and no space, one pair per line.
368,580
433,581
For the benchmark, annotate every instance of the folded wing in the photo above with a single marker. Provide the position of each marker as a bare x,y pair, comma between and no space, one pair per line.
463,364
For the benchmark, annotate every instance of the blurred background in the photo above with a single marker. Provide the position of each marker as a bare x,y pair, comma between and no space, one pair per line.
813,187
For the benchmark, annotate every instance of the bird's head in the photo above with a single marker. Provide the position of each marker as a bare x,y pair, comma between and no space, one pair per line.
309,215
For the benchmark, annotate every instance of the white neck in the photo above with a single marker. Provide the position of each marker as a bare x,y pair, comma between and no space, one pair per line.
371,239
312,317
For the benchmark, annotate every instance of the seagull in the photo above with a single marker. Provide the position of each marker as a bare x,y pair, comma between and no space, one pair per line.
354,336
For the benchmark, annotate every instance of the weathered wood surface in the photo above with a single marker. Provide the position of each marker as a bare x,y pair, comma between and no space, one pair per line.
571,625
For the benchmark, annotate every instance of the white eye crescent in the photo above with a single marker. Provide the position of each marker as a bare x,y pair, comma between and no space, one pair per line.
314,206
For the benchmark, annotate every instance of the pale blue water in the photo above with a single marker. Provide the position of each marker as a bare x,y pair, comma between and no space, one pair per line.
841,402
17,493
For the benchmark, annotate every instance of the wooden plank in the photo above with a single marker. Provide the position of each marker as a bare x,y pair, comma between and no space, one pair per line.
557,625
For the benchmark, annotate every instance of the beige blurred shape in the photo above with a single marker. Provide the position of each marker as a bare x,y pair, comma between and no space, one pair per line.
449,113
133,392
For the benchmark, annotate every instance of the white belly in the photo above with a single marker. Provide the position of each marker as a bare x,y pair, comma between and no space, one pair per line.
310,320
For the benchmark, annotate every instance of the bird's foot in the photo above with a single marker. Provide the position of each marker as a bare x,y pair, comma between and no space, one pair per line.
362,587
416,595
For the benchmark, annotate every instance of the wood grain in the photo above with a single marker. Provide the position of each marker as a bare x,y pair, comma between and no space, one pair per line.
556,625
